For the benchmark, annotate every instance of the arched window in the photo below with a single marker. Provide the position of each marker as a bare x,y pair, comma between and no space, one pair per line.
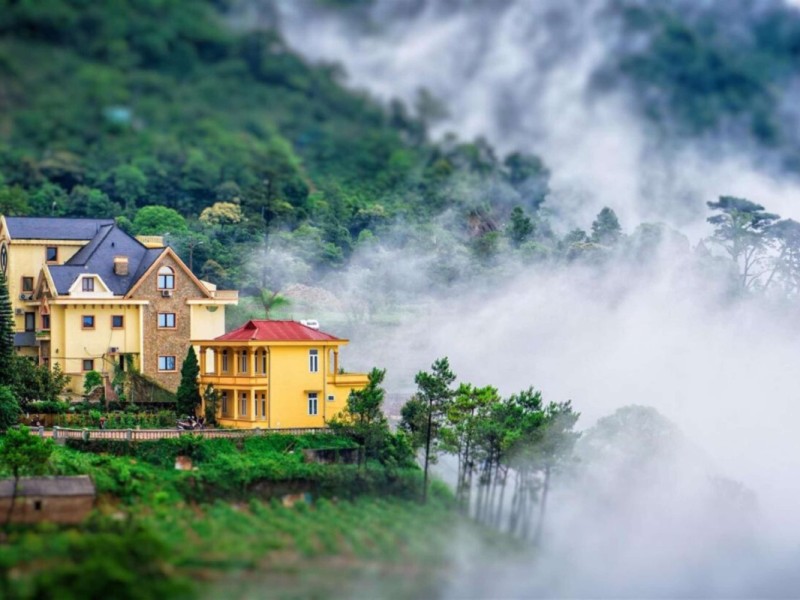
166,278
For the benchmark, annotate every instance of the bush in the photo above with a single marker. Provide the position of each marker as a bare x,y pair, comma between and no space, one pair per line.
128,563
53,407
9,408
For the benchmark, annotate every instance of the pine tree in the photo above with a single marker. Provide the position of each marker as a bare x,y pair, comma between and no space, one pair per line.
188,395
6,334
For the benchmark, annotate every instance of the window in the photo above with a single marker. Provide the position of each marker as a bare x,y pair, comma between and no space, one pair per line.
27,284
30,321
263,406
243,362
166,363
88,364
313,361
224,361
312,403
51,254
166,320
331,398
37,505
224,403
117,321
243,404
46,322
87,284
166,279
87,322
264,362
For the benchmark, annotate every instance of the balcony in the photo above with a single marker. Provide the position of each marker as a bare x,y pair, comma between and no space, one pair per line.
243,379
348,379
42,335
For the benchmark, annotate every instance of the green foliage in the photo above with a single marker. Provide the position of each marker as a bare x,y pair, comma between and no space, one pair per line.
606,230
91,380
32,382
47,407
158,220
188,395
520,227
741,228
24,454
9,408
126,558
105,121
211,400
7,354
364,421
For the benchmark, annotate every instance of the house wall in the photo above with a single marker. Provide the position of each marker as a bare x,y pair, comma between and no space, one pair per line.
55,509
70,344
207,321
26,259
168,342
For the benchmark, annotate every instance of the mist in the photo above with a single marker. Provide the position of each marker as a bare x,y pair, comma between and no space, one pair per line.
664,333
521,74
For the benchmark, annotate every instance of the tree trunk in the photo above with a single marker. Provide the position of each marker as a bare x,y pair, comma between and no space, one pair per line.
427,454
543,507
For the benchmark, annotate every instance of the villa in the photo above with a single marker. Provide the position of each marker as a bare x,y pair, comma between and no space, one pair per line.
276,375
86,295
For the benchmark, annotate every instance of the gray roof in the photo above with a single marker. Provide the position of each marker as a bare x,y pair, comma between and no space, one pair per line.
97,258
80,485
52,228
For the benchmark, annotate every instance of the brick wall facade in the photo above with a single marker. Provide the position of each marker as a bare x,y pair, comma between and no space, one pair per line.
167,342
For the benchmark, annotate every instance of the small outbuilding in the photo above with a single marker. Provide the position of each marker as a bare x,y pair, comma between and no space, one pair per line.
66,500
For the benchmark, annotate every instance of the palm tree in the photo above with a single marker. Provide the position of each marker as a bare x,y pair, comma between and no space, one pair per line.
272,300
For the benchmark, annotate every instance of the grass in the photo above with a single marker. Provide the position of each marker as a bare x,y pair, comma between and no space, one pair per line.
222,531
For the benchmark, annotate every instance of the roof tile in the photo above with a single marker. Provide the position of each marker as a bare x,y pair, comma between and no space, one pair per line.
276,331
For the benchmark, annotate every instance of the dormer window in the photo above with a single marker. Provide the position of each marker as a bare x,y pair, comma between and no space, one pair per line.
88,284
166,278
51,254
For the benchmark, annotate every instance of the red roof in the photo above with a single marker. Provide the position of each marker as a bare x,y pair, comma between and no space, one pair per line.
276,331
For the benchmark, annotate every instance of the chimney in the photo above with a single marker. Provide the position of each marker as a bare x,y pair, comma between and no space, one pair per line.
121,265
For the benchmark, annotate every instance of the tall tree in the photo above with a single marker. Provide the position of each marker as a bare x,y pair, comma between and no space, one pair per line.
188,395
271,301
23,453
9,408
786,263
434,393
7,354
520,227
364,417
606,230
741,229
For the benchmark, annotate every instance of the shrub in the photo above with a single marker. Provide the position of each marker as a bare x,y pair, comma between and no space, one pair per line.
9,408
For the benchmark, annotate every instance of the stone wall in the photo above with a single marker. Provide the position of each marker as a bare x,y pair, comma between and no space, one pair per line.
167,342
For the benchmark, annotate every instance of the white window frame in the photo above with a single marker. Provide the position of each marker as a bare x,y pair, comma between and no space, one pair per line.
313,404
313,361
243,404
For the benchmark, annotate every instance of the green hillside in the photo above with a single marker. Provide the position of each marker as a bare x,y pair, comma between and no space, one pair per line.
106,108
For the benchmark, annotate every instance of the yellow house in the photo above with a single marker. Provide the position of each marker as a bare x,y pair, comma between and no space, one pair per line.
276,375
85,294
